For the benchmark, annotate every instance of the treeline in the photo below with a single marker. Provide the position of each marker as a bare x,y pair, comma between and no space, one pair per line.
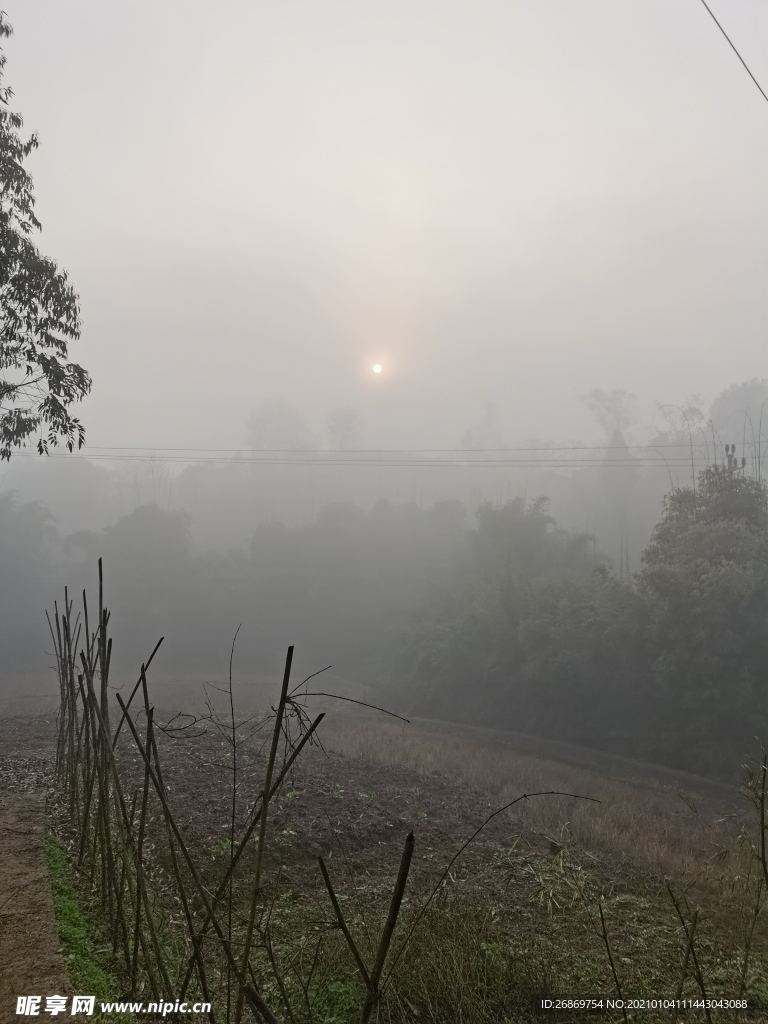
671,665
506,620
342,588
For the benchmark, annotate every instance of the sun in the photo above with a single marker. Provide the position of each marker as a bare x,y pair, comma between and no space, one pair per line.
377,368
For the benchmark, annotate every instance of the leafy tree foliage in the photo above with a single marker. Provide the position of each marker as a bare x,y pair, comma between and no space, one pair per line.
536,634
705,576
470,651
39,312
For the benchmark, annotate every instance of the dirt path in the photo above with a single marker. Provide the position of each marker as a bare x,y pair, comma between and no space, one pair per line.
30,959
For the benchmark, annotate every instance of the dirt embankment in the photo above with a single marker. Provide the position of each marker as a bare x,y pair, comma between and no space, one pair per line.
30,958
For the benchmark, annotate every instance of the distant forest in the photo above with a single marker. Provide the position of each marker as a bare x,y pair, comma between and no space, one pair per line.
670,666
503,619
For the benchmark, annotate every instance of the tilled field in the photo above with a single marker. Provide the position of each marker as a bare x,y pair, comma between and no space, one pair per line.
516,914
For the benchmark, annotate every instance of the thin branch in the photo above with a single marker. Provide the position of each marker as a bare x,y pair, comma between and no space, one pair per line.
616,981
462,848
343,925
311,676
362,703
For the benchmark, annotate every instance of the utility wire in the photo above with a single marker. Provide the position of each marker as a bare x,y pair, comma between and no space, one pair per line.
398,451
579,463
542,457
762,93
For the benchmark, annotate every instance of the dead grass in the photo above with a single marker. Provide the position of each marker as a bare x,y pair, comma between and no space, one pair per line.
666,826
517,915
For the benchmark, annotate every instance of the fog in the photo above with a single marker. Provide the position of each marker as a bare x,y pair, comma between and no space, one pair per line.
499,202
545,223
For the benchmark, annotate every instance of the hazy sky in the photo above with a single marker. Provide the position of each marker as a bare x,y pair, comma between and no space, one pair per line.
499,201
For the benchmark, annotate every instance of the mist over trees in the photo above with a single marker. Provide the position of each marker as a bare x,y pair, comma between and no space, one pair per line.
671,665
344,584
469,603
277,426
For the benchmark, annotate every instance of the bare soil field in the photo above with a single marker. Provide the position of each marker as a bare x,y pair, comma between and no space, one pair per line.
530,882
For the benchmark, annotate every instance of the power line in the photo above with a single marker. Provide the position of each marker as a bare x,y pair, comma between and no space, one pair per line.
678,461
765,97
400,451
678,455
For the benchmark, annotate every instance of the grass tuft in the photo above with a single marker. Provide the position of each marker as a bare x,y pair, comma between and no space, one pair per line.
89,967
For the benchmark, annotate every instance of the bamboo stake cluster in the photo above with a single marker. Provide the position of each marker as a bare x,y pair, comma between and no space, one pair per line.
110,816
111,826
110,830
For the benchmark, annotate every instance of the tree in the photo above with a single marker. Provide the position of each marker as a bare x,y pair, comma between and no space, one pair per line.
740,415
613,410
276,425
473,649
705,573
485,434
344,428
39,312
29,548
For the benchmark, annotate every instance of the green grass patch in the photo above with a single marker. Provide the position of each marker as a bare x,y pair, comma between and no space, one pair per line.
90,968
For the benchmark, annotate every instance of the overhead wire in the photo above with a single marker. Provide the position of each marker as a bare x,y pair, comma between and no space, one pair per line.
499,458
730,43
402,451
